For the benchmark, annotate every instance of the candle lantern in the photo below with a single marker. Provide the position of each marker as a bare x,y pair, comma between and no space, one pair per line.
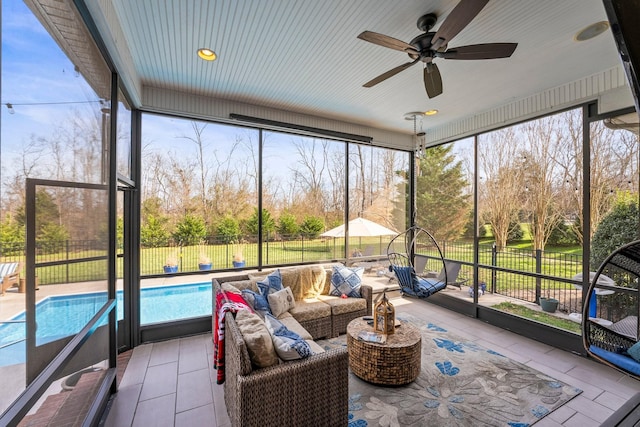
384,316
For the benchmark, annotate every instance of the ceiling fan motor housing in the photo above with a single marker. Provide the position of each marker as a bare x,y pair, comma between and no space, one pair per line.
426,22
422,43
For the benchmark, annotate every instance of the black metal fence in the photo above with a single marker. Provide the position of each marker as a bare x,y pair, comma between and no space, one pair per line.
521,274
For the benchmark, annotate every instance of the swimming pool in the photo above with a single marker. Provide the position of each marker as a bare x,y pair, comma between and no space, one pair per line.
64,315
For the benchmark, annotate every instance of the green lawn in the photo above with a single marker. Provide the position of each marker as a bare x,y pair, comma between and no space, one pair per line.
538,316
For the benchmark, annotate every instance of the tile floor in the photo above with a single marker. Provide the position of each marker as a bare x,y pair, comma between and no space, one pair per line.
172,383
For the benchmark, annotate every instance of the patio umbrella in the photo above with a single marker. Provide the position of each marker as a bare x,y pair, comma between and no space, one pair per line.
360,227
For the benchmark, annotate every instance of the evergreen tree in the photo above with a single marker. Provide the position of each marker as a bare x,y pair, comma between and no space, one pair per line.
51,238
287,225
190,230
311,227
153,233
228,230
441,204
268,223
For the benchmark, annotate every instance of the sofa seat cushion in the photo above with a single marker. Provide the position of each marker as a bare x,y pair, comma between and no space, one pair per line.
315,347
310,309
288,344
343,305
293,325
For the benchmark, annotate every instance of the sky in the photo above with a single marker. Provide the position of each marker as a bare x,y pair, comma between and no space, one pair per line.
46,92
40,82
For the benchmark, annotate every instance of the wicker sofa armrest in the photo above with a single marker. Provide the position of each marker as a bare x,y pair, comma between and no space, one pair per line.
312,391
233,278
366,292
236,355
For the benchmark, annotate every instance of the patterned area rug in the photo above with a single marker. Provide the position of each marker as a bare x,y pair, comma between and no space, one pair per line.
460,384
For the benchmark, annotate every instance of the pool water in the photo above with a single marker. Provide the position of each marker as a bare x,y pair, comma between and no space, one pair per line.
64,315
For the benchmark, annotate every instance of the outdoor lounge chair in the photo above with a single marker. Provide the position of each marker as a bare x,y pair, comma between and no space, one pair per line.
452,268
10,274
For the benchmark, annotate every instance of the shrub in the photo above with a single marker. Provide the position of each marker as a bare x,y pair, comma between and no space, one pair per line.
563,235
515,232
12,238
287,225
311,227
268,223
153,233
190,230
228,230
616,229
52,238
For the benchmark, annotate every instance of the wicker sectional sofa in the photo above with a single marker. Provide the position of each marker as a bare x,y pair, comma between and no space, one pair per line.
309,391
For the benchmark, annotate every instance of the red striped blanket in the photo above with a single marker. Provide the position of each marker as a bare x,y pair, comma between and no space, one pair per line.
225,302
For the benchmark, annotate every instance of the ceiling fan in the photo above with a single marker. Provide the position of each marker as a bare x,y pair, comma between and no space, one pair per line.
430,45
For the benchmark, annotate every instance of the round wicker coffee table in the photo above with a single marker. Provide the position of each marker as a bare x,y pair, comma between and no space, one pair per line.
396,362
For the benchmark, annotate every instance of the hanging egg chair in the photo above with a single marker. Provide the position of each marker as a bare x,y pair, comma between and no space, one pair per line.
415,258
610,312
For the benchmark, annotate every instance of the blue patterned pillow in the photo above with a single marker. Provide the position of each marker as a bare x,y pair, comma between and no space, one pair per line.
347,281
259,303
270,284
288,344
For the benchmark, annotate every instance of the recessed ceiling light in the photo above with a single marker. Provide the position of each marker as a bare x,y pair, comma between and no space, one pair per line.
207,54
430,112
591,31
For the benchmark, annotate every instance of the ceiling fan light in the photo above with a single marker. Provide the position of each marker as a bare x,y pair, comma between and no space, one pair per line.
591,31
413,115
207,54
431,112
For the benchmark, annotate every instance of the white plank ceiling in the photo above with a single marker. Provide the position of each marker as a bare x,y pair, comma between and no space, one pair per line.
303,55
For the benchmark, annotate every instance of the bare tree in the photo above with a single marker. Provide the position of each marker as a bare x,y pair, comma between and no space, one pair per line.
359,199
542,176
335,208
500,188
198,139
309,175
614,167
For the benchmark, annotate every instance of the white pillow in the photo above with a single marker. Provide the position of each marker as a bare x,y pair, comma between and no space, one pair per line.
281,301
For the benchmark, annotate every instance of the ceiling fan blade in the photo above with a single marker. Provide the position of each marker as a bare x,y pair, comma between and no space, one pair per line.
460,16
386,41
479,51
432,80
392,72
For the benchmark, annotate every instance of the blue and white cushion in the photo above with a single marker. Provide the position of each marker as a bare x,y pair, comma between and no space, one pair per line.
270,284
346,281
405,275
288,344
259,303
